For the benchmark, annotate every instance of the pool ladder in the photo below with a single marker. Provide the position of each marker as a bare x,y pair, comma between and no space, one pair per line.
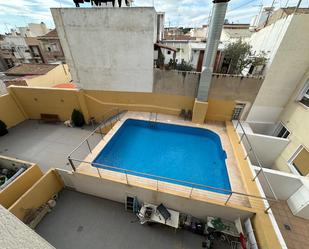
153,119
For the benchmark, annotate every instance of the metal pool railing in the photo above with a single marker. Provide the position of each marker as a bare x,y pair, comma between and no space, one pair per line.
255,156
160,183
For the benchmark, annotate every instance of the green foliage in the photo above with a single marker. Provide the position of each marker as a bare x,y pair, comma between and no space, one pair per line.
77,118
3,128
183,66
241,56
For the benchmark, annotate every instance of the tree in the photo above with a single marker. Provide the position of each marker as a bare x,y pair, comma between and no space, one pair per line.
241,56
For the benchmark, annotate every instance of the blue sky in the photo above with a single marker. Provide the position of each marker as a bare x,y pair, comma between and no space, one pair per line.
191,13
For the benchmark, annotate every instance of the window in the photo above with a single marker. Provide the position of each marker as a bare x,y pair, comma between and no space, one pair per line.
299,162
168,52
281,131
304,95
238,110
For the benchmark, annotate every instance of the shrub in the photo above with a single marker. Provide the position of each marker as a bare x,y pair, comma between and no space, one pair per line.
3,129
77,118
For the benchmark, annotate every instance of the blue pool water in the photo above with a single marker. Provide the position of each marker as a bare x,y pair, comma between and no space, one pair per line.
172,151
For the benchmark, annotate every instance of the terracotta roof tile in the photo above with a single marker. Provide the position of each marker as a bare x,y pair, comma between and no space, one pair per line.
30,69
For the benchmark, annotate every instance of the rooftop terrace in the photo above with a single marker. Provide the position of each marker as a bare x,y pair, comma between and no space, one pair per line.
45,144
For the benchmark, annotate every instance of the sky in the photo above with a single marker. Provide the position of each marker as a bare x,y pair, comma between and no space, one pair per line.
186,13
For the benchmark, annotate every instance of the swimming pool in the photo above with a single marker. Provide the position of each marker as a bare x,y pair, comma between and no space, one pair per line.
178,152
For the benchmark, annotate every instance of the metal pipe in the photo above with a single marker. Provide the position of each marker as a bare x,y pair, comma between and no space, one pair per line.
72,164
88,146
171,179
228,198
213,39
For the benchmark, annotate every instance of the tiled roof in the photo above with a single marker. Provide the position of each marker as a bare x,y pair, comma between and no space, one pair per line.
49,35
30,69
65,85
179,37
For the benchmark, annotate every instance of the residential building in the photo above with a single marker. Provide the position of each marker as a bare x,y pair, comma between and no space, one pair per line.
38,75
33,30
52,49
283,52
15,50
113,55
279,29
147,153
182,45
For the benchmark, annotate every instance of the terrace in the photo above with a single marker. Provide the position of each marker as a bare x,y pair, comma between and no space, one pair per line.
103,223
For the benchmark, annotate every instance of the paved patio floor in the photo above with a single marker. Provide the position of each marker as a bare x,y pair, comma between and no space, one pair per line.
45,144
82,221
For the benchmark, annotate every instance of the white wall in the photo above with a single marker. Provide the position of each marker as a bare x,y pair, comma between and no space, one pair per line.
183,54
117,192
283,184
108,48
262,128
15,234
267,148
286,69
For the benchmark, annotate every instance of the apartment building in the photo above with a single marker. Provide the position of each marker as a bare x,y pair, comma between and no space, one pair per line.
140,149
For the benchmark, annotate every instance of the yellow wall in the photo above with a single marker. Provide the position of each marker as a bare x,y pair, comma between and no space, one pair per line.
263,228
93,103
99,102
42,191
58,75
9,111
296,118
47,100
220,110
19,186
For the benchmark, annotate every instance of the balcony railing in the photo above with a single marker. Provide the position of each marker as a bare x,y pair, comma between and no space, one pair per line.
161,183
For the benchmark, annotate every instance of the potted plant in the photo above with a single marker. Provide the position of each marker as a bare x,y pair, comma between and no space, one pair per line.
77,118
3,128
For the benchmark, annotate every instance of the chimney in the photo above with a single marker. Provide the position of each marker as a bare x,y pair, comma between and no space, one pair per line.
214,33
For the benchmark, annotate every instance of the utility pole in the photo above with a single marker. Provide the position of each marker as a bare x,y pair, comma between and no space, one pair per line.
297,6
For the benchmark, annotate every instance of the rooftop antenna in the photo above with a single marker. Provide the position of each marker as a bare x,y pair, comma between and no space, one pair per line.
6,25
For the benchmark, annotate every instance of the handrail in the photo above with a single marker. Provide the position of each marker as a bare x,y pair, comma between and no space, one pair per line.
99,126
251,149
171,179
192,185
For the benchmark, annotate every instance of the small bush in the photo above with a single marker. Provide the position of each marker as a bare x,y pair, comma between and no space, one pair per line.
3,129
77,118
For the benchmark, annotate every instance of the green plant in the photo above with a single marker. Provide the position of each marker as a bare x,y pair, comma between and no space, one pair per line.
3,128
184,66
77,118
241,56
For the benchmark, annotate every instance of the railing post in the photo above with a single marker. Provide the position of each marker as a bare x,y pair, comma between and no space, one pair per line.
191,192
126,177
99,172
88,146
101,132
236,125
157,185
72,164
248,154
266,210
227,200
257,174
241,137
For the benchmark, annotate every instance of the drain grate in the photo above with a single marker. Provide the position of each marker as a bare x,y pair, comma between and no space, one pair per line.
287,227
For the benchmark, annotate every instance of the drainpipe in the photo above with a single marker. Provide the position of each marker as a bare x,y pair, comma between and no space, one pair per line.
214,33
